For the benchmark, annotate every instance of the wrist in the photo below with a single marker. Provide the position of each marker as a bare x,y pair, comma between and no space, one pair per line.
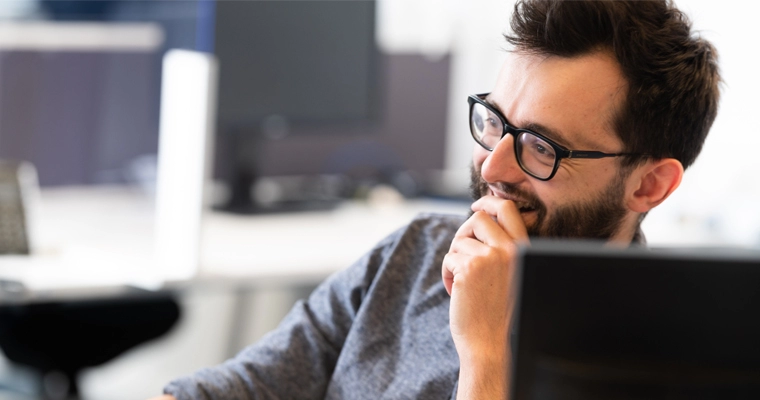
479,352
492,354
484,373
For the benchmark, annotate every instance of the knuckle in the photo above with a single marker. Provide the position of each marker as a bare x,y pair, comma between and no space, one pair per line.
447,258
475,264
510,248
491,253
447,261
453,245
509,205
478,215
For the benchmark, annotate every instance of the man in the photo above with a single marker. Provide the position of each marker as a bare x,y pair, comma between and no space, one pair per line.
596,112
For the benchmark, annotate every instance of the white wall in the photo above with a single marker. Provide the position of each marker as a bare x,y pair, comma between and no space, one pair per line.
718,200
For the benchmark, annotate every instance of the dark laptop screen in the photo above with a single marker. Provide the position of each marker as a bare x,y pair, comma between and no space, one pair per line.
602,323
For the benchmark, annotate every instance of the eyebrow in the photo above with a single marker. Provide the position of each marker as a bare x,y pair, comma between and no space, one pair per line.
535,127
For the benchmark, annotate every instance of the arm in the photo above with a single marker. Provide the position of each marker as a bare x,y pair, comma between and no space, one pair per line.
298,358
478,273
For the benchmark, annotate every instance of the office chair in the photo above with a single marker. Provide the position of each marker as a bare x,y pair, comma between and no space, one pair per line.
67,336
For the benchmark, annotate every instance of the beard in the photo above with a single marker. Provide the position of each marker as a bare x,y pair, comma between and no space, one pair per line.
599,218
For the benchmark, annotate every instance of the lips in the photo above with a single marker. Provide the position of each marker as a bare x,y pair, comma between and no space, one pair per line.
525,207
522,206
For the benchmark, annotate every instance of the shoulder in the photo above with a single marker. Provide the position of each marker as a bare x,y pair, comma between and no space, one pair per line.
425,233
435,228
420,245
437,224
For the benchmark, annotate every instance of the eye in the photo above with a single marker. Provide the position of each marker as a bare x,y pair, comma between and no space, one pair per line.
537,149
543,151
540,149
493,122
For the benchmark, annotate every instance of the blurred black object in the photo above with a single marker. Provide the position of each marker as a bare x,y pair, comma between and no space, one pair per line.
62,338
77,10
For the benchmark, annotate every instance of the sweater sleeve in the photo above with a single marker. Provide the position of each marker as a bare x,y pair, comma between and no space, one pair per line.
296,360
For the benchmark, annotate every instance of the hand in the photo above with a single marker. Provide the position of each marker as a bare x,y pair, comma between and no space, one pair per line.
478,273
164,397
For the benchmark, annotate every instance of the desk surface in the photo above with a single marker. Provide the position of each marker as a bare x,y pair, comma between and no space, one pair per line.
89,237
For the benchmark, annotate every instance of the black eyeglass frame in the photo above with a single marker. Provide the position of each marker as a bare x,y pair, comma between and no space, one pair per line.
559,151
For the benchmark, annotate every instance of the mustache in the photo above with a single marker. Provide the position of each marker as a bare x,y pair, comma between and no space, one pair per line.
479,188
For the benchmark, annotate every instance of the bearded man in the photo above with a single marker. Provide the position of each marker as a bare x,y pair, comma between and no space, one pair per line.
597,111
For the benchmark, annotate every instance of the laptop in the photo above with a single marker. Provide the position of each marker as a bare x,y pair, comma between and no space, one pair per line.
595,322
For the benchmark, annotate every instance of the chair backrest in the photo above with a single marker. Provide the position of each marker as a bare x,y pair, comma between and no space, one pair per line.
16,180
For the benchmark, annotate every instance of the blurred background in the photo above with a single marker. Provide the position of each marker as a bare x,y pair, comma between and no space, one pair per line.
336,122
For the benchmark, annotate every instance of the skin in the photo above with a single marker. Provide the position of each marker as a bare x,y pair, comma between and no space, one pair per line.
572,100
576,100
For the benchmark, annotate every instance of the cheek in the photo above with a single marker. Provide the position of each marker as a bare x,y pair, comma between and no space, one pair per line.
576,183
554,194
560,192
590,184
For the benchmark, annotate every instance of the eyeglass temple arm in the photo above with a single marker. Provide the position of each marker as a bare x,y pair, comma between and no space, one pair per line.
593,154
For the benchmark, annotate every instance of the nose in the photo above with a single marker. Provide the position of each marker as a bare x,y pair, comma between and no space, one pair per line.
501,165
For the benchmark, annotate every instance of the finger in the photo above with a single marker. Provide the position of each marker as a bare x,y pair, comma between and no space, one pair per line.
468,246
506,213
452,263
482,227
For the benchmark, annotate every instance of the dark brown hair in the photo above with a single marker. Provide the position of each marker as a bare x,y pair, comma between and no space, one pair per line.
672,74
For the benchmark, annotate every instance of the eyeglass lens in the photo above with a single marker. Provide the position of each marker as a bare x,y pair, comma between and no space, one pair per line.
535,155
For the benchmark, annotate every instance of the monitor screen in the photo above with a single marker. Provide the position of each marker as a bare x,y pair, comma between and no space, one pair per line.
304,61
602,323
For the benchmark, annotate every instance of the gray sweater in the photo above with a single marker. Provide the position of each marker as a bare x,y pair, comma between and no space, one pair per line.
376,330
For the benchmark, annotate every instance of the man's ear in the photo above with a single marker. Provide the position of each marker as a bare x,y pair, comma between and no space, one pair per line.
653,183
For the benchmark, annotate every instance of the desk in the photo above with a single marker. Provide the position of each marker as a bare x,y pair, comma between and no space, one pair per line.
91,237
96,241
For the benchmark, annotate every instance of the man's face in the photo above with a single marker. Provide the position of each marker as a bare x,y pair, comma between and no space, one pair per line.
571,101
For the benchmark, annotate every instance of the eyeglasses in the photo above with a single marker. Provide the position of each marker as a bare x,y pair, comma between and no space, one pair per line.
536,154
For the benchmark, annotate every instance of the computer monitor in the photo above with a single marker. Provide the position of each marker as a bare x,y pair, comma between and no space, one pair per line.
595,322
285,67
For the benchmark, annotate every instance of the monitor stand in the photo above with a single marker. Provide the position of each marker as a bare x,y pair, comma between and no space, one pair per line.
242,202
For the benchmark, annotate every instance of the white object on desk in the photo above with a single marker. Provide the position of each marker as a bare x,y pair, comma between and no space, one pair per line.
185,148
